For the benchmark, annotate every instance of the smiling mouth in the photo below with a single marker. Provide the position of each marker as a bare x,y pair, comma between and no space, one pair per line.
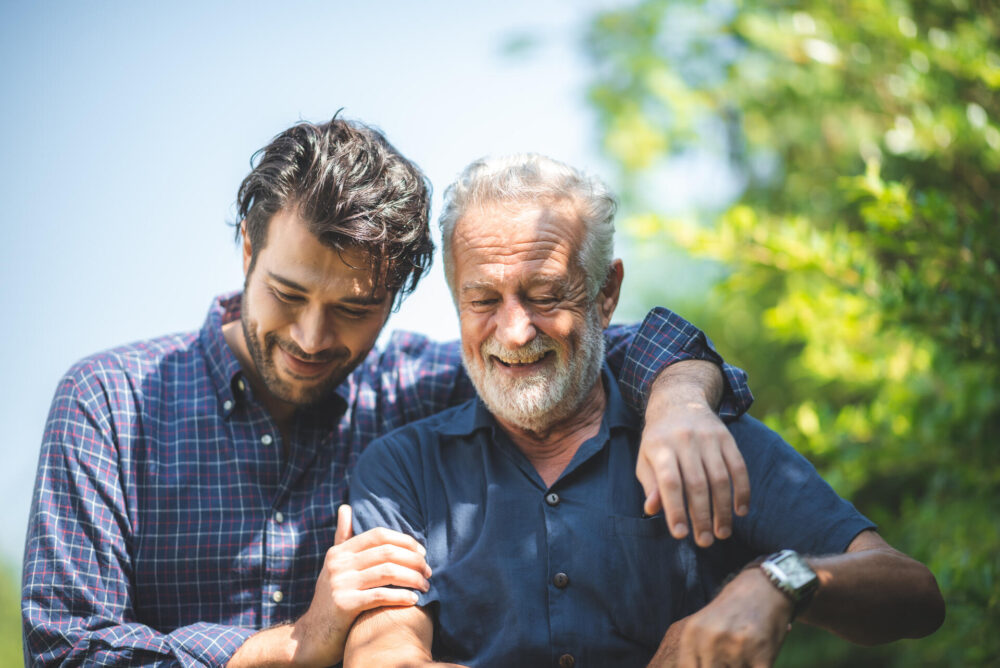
523,361
304,368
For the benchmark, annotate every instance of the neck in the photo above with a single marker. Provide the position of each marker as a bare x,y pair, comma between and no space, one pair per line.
551,448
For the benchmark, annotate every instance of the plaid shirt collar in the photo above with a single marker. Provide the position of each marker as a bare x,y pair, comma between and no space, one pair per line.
227,375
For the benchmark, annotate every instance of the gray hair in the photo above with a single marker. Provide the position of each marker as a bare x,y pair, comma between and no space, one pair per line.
530,176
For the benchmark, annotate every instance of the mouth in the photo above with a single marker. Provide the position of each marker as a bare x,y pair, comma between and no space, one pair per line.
523,361
305,369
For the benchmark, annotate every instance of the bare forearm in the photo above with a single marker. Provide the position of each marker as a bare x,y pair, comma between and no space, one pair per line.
688,381
667,653
391,637
267,648
874,596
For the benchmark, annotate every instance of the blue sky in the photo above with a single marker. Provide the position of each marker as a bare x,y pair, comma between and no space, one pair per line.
127,128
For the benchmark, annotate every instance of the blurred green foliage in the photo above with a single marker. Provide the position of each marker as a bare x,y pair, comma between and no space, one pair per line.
861,253
10,618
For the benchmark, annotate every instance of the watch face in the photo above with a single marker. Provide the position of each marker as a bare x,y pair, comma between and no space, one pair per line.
796,570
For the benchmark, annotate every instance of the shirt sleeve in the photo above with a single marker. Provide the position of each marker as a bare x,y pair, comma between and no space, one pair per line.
662,339
77,596
383,492
415,377
792,506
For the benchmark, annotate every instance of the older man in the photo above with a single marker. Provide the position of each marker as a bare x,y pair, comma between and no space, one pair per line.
526,501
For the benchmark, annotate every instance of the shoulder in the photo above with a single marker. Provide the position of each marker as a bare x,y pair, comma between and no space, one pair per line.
129,367
427,432
768,456
419,440
411,350
407,357
754,438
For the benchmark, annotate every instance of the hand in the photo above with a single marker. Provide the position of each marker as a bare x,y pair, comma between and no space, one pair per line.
355,577
744,626
686,449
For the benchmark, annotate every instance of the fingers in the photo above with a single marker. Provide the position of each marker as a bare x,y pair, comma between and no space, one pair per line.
690,466
721,495
382,536
738,473
696,489
359,601
344,527
646,475
390,554
671,484
388,573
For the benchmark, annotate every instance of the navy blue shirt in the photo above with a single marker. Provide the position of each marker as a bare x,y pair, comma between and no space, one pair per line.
525,573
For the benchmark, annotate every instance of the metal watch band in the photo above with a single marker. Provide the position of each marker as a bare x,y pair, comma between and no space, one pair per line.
800,588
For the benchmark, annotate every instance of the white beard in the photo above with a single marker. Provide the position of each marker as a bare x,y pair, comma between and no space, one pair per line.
544,398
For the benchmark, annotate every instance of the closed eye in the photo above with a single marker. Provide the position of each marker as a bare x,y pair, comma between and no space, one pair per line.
286,297
353,313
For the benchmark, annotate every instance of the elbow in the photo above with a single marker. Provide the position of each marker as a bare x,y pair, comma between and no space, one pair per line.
922,612
930,605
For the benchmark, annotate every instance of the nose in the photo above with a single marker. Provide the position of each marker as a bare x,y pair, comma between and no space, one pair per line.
312,332
514,325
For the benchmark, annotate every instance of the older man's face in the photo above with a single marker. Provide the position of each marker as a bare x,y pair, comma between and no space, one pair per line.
532,339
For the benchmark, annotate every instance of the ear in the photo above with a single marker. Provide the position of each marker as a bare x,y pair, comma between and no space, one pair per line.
247,249
607,298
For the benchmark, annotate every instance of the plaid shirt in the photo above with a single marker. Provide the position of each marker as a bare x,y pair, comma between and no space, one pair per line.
167,525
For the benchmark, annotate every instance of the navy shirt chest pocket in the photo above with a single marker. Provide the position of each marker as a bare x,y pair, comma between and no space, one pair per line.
650,572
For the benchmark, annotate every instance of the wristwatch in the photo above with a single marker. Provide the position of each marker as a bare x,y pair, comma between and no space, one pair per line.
790,573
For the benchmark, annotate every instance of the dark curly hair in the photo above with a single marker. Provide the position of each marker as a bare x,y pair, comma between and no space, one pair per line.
353,189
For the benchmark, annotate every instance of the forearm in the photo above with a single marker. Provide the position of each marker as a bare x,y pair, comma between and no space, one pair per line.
875,595
278,646
91,641
685,383
660,342
667,653
391,637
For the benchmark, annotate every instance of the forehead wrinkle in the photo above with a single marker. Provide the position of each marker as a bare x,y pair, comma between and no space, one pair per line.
516,246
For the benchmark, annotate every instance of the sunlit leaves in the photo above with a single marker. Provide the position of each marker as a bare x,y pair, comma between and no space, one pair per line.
862,289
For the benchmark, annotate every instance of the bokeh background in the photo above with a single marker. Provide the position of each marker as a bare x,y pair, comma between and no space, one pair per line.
815,186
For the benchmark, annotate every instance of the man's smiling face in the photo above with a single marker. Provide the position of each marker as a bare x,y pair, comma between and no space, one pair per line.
310,314
532,338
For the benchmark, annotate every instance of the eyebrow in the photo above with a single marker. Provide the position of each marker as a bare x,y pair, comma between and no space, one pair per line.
286,282
477,285
358,300
558,282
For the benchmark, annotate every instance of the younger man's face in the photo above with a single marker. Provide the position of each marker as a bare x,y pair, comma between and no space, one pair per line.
310,314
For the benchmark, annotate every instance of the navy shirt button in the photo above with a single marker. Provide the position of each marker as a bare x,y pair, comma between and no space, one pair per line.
567,661
560,580
552,499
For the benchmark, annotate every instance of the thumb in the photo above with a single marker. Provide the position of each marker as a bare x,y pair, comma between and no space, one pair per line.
344,527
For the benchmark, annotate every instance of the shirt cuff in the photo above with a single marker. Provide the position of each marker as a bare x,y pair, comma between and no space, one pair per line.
664,338
205,644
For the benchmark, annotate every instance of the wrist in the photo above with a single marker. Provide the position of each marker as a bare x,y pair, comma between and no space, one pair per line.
675,392
302,649
790,574
768,596
689,381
